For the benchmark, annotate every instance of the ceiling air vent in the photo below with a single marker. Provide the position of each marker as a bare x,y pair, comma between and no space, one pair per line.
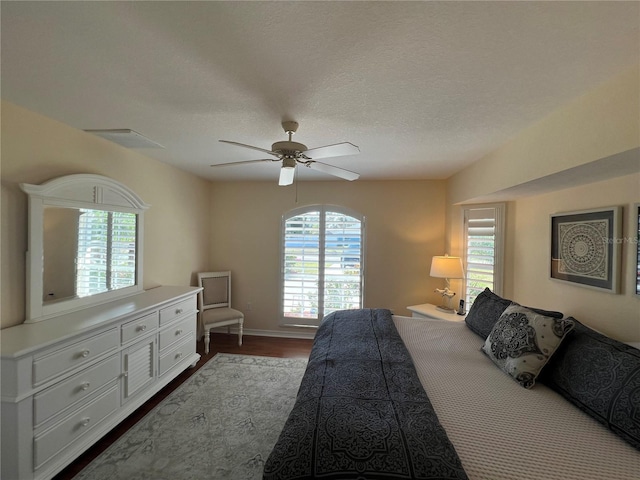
126,137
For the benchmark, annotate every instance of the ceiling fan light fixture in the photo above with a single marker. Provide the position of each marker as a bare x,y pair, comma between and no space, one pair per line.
287,172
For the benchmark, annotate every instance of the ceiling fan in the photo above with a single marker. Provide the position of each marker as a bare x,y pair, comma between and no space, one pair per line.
293,153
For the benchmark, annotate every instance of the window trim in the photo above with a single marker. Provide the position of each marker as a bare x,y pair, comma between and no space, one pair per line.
323,209
499,241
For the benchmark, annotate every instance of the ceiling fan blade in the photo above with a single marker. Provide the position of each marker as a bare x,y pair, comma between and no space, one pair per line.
244,161
251,147
331,170
337,150
286,176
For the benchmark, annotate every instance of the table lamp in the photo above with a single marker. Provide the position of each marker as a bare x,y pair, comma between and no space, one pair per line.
446,267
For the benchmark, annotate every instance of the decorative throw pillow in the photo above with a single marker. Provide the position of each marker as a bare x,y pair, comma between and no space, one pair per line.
486,311
522,341
601,376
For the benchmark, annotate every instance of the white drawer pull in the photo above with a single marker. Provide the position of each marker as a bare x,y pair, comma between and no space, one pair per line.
178,355
179,332
85,353
141,328
178,311
84,422
85,386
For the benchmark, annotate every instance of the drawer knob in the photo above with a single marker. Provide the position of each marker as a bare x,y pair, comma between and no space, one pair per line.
85,386
178,332
178,355
84,422
141,328
85,353
178,311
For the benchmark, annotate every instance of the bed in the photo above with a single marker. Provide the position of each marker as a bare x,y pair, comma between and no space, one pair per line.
360,415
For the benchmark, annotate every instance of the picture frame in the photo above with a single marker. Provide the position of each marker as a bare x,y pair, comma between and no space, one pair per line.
585,248
636,227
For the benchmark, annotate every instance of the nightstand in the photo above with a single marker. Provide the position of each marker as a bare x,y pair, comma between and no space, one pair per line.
427,310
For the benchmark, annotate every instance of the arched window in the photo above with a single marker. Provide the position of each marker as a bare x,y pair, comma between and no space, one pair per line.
322,263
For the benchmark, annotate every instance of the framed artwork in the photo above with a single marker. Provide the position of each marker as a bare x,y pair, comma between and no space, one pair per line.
585,248
636,217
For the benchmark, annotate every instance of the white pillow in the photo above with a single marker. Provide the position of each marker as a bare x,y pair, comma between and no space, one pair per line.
522,341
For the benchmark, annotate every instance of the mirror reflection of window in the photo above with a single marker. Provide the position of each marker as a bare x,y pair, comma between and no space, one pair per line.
106,251
86,252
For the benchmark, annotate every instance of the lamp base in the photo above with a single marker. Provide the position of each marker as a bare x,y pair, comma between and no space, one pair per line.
444,308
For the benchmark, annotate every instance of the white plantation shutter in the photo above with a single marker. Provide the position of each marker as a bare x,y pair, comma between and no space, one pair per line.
106,251
301,259
342,262
122,259
322,270
483,250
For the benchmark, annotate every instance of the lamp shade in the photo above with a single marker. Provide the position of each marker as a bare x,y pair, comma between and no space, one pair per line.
446,267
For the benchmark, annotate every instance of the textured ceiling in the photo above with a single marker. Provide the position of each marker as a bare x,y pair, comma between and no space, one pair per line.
423,88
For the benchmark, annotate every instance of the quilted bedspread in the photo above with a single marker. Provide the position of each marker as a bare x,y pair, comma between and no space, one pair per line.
361,411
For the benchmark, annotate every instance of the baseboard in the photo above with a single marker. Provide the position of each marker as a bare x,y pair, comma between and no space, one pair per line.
305,333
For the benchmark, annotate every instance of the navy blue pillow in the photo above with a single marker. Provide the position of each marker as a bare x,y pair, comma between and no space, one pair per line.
601,376
486,310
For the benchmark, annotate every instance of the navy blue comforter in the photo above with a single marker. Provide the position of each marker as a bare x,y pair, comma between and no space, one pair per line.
361,411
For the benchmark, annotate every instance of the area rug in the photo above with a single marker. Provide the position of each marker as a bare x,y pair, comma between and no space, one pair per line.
221,423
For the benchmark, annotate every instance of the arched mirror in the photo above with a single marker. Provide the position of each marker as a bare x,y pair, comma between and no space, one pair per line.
85,244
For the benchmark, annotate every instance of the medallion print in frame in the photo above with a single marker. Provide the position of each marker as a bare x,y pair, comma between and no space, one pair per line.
636,220
585,247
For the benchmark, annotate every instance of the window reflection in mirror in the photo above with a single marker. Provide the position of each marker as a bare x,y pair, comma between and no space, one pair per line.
87,252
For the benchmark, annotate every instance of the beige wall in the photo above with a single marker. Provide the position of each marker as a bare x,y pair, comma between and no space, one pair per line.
35,149
404,229
598,128
616,315
598,125
194,224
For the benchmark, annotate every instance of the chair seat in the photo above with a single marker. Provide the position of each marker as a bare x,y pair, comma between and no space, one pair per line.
216,315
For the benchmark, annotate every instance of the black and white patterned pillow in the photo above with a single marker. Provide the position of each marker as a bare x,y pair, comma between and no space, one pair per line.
522,341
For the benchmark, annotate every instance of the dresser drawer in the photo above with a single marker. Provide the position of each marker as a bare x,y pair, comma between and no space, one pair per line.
139,327
55,399
52,441
177,310
59,361
176,354
177,332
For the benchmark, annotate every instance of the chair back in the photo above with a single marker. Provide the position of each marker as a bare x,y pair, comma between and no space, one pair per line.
216,290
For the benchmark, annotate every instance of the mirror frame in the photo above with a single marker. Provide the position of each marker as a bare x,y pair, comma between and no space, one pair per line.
75,191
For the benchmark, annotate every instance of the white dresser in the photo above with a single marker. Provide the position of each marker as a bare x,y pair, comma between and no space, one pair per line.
69,380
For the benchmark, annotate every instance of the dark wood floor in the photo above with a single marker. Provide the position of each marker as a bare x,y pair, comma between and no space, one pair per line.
220,343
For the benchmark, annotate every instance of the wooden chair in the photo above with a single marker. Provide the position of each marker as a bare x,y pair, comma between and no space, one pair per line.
214,302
